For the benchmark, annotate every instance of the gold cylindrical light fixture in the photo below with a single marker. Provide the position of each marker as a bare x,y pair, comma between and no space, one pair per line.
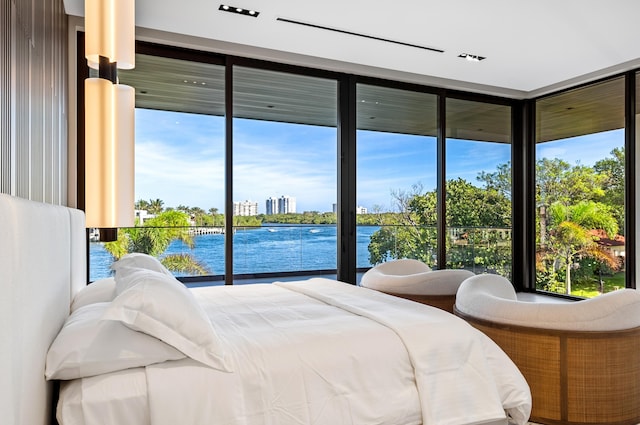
110,32
109,116
109,154
125,104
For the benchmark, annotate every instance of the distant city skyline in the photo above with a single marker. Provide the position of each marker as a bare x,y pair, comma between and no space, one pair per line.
180,159
283,205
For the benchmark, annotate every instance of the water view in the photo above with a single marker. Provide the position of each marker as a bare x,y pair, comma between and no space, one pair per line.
267,249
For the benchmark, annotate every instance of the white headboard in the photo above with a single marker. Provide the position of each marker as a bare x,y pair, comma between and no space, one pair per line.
42,265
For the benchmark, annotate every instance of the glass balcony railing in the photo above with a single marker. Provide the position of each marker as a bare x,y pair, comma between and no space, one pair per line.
275,248
480,249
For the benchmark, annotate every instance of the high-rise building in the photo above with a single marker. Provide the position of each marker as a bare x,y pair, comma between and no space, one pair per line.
286,204
245,208
272,206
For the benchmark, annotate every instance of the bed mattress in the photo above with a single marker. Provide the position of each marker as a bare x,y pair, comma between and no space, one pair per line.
315,352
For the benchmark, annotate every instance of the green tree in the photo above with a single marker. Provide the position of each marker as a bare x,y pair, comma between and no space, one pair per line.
307,217
613,171
565,243
572,236
413,235
155,206
185,209
154,237
472,206
246,221
499,180
198,216
141,204
558,181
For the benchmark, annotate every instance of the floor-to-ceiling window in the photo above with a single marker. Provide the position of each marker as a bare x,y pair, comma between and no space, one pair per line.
396,175
478,186
284,172
580,190
179,163
282,186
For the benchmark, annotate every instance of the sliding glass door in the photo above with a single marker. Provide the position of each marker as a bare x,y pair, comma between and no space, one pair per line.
284,172
478,186
396,175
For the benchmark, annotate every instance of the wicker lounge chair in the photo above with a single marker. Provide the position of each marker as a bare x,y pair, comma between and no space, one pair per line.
581,359
414,280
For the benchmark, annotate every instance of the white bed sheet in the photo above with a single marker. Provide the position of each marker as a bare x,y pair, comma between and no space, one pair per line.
113,398
301,360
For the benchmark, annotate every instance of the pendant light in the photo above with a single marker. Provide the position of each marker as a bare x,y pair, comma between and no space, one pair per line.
109,116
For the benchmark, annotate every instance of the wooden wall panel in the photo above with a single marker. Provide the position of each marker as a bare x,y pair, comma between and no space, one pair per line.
5,99
33,84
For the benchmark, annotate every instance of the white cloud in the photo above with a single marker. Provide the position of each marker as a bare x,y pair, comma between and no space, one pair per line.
583,150
180,159
179,176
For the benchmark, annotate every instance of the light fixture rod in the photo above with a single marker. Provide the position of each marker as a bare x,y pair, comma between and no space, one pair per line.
107,70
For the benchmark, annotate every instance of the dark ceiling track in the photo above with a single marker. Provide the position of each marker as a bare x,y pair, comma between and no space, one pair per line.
371,37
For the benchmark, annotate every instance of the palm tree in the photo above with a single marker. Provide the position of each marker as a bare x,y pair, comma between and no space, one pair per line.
154,237
196,214
572,236
155,206
183,208
141,204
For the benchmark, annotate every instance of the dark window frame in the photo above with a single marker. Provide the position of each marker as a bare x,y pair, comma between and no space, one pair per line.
522,157
630,173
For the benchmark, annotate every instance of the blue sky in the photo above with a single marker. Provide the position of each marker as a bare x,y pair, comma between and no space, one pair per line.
180,159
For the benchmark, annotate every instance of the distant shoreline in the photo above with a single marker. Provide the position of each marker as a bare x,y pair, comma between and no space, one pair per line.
290,248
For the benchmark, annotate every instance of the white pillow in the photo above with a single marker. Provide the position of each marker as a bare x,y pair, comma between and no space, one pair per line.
131,262
88,346
161,306
100,291
141,261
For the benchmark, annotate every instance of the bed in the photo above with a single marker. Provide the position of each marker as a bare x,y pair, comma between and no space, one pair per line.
141,348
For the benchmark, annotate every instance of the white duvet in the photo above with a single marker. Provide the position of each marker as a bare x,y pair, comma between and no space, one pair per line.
316,352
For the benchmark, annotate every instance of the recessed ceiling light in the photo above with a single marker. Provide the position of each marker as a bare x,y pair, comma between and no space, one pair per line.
238,10
203,83
470,57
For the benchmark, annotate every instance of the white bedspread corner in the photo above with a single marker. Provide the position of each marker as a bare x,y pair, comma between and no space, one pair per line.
462,376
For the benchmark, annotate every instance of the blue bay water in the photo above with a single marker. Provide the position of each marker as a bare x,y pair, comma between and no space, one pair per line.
266,249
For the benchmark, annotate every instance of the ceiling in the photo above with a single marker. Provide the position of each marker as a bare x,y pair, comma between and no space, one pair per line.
194,87
531,47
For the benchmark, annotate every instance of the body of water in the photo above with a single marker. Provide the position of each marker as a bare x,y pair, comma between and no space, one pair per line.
267,249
